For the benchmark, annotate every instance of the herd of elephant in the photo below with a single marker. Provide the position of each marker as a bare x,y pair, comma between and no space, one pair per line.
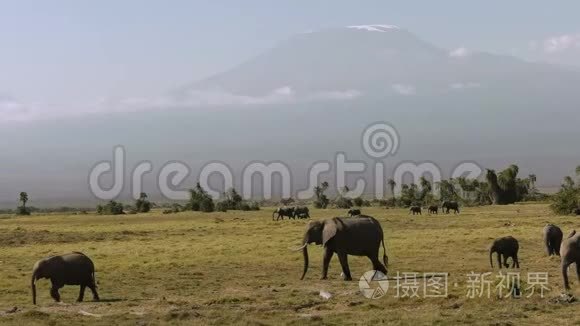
300,212
357,235
446,206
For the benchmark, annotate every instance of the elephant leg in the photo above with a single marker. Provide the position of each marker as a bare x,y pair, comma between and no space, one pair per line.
499,260
565,265
505,259
82,293
578,270
326,262
516,261
344,264
377,265
93,288
54,291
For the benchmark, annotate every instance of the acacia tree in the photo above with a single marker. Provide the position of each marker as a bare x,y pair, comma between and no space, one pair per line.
392,184
23,199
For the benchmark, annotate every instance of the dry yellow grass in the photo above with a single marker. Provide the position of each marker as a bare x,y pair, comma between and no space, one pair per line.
235,267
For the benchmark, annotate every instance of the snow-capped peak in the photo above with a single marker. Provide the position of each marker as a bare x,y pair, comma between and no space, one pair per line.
375,28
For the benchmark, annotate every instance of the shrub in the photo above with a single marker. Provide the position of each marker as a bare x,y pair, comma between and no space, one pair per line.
142,205
111,208
21,210
358,201
343,202
565,201
200,200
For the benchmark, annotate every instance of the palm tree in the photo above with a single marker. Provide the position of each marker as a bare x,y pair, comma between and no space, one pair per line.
23,198
392,185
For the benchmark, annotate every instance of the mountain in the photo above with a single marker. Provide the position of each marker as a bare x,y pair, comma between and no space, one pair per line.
305,100
378,60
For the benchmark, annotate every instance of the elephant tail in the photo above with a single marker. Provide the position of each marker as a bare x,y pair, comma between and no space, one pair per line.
385,257
305,254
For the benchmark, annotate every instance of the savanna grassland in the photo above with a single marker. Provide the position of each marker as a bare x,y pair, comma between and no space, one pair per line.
236,268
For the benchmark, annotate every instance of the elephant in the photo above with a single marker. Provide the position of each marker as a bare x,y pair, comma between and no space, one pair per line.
415,210
570,253
450,205
552,239
353,212
301,212
361,236
73,268
506,247
577,211
283,211
433,209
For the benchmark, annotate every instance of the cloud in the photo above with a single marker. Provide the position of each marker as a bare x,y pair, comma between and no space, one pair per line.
13,110
459,52
404,89
464,85
213,98
561,43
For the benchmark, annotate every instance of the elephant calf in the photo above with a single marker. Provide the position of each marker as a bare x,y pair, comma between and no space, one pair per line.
570,253
433,209
361,236
552,239
505,247
353,212
69,269
415,210
302,212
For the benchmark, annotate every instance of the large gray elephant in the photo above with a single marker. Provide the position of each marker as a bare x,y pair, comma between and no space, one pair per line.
361,236
570,253
301,212
552,239
505,247
73,268
448,205
283,211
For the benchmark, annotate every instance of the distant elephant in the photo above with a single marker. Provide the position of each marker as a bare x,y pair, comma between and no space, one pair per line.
415,210
505,247
577,211
570,253
361,236
552,239
433,209
302,212
450,205
73,268
353,212
283,211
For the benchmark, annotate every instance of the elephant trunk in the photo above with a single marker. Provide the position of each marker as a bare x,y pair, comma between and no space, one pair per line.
490,260
305,255
33,286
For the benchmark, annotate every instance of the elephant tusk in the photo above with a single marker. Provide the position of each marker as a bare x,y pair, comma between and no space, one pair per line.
299,248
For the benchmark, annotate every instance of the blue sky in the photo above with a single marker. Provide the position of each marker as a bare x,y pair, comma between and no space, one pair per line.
68,52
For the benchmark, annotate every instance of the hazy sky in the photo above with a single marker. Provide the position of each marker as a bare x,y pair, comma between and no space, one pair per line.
71,53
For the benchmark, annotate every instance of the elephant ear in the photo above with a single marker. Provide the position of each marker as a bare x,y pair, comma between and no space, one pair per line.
329,231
